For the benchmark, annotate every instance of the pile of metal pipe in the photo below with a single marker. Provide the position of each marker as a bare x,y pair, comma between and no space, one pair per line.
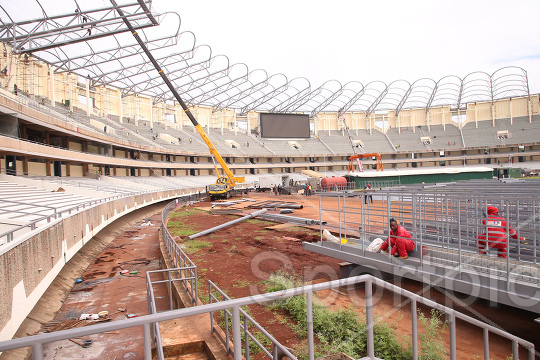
208,231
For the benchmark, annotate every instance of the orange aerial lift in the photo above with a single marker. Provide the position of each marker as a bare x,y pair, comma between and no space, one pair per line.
360,156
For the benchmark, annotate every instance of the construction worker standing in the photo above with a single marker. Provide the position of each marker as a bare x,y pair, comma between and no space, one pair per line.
496,232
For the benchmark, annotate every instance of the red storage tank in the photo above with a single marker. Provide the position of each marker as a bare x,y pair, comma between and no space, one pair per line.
330,183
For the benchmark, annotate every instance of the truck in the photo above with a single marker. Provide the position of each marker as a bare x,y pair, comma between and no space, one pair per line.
267,182
225,184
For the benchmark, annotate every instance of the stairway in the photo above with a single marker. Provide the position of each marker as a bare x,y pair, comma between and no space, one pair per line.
194,350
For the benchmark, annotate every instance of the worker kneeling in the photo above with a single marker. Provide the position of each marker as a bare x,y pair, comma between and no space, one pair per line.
400,240
496,232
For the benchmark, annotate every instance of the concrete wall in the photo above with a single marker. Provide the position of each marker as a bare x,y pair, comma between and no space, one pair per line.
9,125
30,264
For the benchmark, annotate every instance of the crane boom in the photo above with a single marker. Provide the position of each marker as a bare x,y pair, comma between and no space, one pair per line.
228,181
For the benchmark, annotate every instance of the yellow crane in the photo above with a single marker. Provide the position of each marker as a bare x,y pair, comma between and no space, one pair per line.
225,185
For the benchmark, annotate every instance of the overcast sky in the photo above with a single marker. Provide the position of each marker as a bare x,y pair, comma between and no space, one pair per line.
368,40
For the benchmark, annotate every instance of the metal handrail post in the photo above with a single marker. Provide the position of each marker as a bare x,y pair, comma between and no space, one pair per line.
246,337
507,250
414,314
369,320
37,351
320,220
515,350
196,295
147,340
309,310
339,219
452,320
459,237
486,344
344,218
169,276
237,339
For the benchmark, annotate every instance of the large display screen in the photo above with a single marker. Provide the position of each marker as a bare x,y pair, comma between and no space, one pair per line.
284,126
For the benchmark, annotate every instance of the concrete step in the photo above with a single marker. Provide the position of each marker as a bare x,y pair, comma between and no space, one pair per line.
200,355
184,348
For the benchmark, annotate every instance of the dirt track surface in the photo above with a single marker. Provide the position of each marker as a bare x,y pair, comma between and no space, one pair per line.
239,258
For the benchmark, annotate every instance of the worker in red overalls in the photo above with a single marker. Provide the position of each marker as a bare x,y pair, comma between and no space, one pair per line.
400,240
496,232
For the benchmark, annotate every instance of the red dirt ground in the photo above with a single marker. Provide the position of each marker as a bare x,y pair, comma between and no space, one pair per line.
242,256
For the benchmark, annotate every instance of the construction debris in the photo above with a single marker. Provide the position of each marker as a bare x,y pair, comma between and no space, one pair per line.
291,219
225,211
254,214
268,204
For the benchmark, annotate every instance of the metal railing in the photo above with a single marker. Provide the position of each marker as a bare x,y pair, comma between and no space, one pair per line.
9,235
182,264
445,221
375,184
37,341
278,350
172,276
152,309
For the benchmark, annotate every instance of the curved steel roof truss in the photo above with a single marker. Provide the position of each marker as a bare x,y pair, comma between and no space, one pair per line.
90,42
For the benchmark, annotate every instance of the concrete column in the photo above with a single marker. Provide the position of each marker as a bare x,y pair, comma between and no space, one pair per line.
493,113
221,121
88,96
32,83
178,115
52,94
135,102
13,71
120,110
151,113
529,110
327,123
70,93
428,121
25,165
412,122
102,93
23,132
235,127
443,120
476,115
207,122
48,168
511,113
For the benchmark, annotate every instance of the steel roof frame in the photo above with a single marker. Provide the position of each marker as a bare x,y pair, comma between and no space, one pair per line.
220,86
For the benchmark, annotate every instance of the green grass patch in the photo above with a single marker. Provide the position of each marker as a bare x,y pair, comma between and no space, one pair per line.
191,246
179,223
241,284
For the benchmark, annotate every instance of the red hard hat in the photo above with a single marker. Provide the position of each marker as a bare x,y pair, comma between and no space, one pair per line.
491,210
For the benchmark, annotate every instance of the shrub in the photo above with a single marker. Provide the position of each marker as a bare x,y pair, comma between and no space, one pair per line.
345,331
